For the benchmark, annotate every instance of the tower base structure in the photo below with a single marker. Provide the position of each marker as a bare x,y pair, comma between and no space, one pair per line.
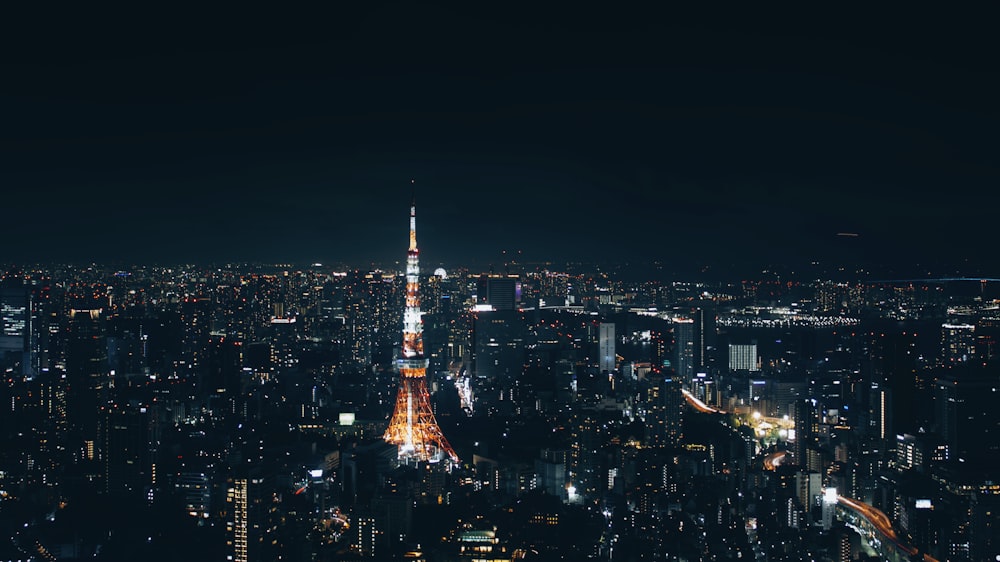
413,427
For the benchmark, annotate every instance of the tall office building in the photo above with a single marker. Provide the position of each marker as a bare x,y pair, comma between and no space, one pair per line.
238,521
588,434
909,453
606,344
685,346
743,357
958,343
251,519
984,530
550,472
988,337
665,411
15,325
947,405
194,489
502,292
829,505
806,419
129,446
893,371
808,487
393,510
88,378
966,414
366,536
843,538
498,344
704,333
413,427
880,412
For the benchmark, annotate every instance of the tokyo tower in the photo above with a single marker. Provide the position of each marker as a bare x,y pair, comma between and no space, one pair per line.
413,427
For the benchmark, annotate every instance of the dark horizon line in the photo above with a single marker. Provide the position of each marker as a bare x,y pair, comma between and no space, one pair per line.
889,273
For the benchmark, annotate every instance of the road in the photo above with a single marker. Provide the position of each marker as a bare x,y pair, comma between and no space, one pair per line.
699,405
882,523
774,459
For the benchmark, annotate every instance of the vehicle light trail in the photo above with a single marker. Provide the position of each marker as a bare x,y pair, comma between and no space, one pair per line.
699,405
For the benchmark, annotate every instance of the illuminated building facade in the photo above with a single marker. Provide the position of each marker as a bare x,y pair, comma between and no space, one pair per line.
743,357
15,317
366,537
237,526
958,343
413,428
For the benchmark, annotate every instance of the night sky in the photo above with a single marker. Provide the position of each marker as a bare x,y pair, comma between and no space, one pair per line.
574,131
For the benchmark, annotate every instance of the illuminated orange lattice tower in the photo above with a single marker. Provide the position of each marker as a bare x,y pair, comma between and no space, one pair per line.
413,427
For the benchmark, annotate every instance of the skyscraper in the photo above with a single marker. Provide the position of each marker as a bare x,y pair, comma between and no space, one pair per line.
958,343
502,292
413,428
15,327
366,536
238,521
684,335
607,345
498,343
128,449
88,377
665,411
588,434
743,357
844,546
806,427
881,412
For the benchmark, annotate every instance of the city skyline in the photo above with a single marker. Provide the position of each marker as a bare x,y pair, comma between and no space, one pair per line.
215,389
673,137
301,414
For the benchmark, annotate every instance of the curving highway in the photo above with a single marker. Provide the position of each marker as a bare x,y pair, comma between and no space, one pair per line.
774,459
699,405
882,524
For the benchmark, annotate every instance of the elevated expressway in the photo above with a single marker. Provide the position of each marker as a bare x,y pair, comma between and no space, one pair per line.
699,405
774,459
877,528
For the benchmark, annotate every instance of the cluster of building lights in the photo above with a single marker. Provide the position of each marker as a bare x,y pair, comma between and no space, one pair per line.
791,321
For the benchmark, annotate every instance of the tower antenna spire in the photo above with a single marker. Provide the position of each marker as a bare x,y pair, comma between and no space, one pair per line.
413,217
